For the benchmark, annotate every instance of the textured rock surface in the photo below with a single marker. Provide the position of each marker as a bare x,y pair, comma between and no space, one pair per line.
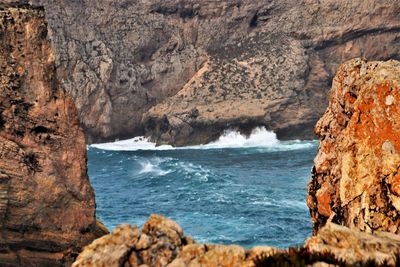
240,62
162,243
355,181
47,205
354,246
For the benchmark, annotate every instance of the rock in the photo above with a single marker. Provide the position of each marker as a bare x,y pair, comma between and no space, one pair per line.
162,243
47,205
355,180
354,246
251,63
158,243
111,250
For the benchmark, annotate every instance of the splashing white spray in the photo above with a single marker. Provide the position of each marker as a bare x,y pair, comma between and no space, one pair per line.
259,138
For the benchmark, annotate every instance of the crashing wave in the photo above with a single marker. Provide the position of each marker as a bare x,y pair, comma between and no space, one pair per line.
259,138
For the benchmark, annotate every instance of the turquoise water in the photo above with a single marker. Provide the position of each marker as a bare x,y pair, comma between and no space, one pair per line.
230,192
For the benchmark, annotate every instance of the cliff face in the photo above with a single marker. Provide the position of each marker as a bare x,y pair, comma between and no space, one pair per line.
196,67
355,180
47,205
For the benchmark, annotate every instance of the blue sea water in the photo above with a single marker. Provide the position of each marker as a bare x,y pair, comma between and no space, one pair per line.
238,190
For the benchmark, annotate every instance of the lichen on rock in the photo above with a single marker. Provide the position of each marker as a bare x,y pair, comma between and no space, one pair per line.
355,180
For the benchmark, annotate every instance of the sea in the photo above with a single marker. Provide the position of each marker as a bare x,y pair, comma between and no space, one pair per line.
245,190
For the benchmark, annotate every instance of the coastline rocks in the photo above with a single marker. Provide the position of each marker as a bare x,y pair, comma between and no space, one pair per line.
353,246
355,180
141,67
47,205
157,244
161,242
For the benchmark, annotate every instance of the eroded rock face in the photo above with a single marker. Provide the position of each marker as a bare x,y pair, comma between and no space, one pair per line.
355,180
47,205
238,63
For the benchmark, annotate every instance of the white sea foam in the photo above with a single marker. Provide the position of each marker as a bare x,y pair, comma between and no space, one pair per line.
137,143
190,170
153,166
259,138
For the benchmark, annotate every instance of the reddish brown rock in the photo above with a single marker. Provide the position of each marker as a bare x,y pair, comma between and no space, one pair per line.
355,180
47,205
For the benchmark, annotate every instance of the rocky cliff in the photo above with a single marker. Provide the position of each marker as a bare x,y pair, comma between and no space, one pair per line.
355,180
182,71
47,205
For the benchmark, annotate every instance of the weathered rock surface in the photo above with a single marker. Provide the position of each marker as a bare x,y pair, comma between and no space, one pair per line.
354,246
161,242
355,181
47,205
234,63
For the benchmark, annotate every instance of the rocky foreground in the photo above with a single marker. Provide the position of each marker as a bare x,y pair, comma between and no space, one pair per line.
47,205
161,242
185,70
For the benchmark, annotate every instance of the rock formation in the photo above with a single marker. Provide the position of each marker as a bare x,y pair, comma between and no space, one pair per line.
47,205
355,180
205,65
161,242
353,246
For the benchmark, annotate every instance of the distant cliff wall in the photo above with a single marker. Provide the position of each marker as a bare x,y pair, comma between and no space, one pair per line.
356,178
234,63
47,205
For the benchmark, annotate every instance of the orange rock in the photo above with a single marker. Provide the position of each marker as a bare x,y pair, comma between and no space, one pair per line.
355,181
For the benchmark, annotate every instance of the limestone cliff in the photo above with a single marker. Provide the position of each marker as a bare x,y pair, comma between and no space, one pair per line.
206,65
355,180
47,205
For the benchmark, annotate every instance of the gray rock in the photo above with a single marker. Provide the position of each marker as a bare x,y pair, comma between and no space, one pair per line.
120,58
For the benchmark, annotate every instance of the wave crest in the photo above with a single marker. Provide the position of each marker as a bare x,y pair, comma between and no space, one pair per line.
259,138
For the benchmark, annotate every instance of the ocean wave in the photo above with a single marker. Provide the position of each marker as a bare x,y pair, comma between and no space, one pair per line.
192,171
153,166
259,138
